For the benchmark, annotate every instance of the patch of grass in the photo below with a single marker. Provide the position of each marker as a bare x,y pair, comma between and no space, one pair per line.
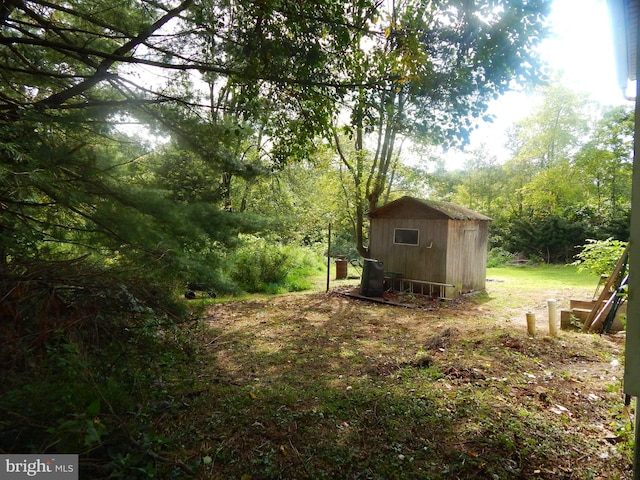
515,287
543,276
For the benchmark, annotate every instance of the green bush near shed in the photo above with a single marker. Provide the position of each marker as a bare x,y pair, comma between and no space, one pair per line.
272,267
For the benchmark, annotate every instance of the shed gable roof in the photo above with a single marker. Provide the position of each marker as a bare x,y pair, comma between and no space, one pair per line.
410,207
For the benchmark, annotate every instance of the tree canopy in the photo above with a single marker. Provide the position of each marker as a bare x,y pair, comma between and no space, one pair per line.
569,173
242,88
436,68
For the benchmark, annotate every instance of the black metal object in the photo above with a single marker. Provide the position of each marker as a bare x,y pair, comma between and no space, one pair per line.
193,288
619,293
372,283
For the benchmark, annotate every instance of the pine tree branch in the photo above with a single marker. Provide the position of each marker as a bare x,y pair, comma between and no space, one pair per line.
112,58
102,71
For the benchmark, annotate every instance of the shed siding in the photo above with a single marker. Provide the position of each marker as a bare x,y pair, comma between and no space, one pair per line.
432,261
427,261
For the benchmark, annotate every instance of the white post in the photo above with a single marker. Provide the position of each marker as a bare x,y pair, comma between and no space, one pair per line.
553,317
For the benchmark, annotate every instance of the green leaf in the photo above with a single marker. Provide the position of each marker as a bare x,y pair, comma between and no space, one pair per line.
94,408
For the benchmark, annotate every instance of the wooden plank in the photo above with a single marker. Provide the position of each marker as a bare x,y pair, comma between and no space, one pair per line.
598,322
378,300
424,282
582,304
605,291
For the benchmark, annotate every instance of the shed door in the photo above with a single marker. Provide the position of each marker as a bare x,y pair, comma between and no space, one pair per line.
469,252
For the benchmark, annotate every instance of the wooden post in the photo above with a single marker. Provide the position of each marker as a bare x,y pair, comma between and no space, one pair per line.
632,339
625,19
329,256
553,317
531,324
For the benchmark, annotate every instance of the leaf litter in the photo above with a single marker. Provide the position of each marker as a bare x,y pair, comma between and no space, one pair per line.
324,386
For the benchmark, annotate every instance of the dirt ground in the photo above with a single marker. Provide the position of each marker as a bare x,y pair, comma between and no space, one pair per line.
477,351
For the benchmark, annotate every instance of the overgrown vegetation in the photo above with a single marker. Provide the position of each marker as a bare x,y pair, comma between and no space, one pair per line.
600,256
499,257
89,364
261,265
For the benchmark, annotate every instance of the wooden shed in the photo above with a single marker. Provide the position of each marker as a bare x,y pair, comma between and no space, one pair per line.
436,248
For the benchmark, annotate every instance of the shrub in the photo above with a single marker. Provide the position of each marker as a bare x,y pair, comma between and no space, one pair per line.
600,256
552,238
271,267
498,257
306,263
88,361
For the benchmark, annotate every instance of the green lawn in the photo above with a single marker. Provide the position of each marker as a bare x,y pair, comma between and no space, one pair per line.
544,276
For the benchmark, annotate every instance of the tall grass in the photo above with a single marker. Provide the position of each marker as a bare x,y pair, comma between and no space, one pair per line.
261,266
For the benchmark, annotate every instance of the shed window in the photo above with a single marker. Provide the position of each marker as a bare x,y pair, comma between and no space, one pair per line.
406,236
